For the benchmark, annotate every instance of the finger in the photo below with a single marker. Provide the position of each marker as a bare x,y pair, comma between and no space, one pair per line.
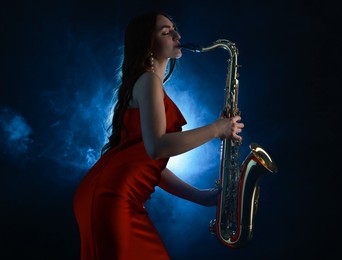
215,191
237,137
237,118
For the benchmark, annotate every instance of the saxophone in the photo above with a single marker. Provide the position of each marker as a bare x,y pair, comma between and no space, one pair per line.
238,200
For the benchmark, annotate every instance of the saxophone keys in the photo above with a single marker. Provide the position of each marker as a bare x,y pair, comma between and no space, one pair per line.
218,184
212,226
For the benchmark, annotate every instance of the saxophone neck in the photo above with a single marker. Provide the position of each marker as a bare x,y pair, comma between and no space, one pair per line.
221,43
192,47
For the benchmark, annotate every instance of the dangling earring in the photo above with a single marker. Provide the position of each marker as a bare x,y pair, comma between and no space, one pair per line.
152,62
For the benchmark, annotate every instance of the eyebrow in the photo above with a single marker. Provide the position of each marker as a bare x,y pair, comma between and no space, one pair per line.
167,26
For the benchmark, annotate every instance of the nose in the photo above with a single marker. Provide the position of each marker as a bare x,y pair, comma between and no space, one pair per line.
176,36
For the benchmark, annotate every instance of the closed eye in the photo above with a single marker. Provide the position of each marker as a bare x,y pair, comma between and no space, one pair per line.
167,29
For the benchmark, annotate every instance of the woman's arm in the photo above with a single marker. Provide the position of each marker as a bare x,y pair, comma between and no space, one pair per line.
148,94
174,185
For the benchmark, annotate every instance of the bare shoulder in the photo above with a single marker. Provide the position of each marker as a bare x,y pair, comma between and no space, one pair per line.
147,86
148,79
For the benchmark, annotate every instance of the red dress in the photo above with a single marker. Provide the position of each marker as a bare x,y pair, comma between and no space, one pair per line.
109,202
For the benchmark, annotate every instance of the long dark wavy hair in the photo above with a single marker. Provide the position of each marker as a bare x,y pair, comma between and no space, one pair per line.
138,45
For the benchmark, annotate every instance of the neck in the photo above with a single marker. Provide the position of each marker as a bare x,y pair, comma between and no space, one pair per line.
160,68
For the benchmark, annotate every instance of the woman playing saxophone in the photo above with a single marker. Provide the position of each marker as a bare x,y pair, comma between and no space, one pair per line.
146,131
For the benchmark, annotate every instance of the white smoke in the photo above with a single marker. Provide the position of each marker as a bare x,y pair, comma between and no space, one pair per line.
80,133
15,132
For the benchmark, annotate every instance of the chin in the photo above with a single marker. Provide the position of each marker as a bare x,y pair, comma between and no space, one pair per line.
178,54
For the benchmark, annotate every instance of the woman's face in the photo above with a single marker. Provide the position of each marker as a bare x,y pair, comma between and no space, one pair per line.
166,42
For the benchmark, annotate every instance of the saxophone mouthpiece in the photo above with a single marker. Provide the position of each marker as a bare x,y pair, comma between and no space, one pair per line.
192,47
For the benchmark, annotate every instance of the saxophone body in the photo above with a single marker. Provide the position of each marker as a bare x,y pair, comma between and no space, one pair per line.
238,200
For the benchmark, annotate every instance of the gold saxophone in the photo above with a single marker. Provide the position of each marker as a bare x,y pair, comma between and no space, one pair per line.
238,200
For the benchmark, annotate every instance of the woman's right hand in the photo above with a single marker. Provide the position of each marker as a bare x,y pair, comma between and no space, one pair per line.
229,128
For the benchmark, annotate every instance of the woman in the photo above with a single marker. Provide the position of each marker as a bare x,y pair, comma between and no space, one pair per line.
146,131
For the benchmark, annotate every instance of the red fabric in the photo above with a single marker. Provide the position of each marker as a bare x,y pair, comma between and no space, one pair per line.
109,202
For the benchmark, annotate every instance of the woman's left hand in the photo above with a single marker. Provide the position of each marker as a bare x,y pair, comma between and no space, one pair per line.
209,197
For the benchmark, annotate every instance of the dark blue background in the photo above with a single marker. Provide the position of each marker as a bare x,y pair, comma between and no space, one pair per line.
58,66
